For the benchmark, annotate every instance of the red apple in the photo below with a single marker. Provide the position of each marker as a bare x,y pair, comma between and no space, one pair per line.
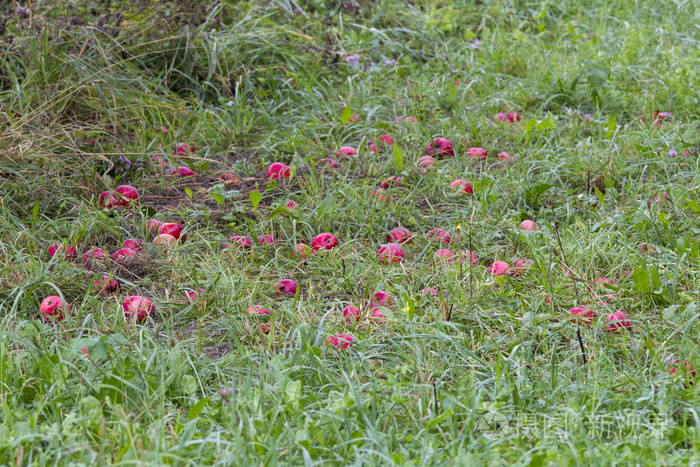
390,253
266,240
193,295
123,254
173,229
683,367
351,314
520,267
301,249
278,170
390,181
106,285
440,147
444,255
386,139
68,252
128,194
108,199
258,310
399,235
477,153
95,257
529,225
241,241
286,287
340,341
440,235
498,268
324,240
466,255
153,225
345,152
52,308
182,171
381,298
134,244
617,321
463,185
332,163
182,149
583,313
426,162
164,240
136,306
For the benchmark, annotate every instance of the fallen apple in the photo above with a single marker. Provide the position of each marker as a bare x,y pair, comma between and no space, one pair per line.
390,253
128,193
258,310
462,185
266,240
134,244
477,153
278,170
440,147
68,252
346,152
617,321
107,199
123,254
426,162
498,268
324,241
94,258
153,225
182,171
583,313
52,308
286,287
529,225
399,235
138,307
340,341
106,285
174,229
164,240
351,314
241,241
182,149
440,235
390,182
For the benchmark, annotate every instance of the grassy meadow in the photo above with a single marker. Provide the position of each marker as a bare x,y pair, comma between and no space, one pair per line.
568,340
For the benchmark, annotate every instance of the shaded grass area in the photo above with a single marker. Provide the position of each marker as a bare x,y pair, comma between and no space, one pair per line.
490,370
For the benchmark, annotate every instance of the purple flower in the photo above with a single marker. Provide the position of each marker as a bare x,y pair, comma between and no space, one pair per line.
672,153
475,45
226,393
353,60
588,117
390,63
123,160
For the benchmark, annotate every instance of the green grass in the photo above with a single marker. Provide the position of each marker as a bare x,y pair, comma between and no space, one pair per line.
491,371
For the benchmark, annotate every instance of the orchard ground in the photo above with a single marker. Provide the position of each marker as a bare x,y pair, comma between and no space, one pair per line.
469,360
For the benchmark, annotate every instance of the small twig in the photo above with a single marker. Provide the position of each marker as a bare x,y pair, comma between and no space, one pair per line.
435,398
580,344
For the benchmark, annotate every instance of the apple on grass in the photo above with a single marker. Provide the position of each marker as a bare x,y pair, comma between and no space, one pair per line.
324,241
390,253
137,307
52,308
